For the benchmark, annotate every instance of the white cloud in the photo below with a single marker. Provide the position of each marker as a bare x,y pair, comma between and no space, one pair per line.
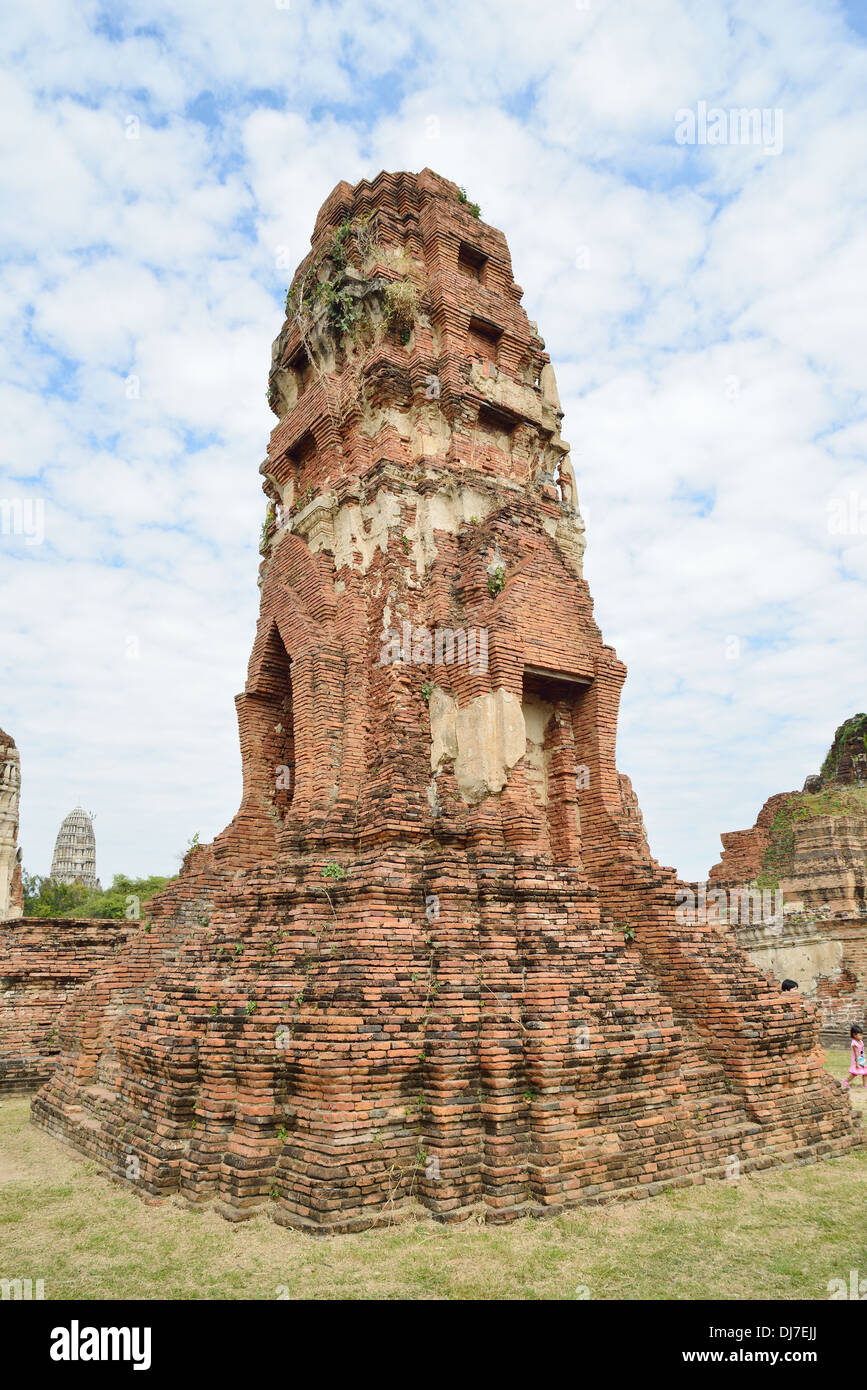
701,305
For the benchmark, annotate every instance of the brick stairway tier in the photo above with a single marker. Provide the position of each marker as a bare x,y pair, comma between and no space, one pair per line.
431,964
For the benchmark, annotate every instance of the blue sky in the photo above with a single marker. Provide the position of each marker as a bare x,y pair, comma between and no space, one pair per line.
703,305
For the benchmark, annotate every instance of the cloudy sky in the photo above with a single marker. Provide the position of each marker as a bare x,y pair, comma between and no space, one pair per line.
703,301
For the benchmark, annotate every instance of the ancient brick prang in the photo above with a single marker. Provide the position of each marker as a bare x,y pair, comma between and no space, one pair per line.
43,961
431,962
11,887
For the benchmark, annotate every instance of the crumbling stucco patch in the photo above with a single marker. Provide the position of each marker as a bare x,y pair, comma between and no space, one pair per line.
485,738
443,511
353,533
804,963
537,712
443,732
350,531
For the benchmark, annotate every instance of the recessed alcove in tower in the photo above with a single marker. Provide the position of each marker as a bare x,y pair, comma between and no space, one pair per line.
302,371
300,467
548,702
471,262
275,755
483,340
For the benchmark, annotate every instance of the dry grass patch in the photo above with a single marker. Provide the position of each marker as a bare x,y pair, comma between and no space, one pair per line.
837,1061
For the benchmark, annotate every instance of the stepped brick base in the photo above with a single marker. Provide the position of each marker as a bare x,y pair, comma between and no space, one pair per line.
329,1048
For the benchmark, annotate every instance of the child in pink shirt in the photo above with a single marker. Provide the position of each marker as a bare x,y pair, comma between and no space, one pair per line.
858,1066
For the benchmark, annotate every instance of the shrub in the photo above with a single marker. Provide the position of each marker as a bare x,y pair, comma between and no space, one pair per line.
496,580
264,543
401,303
472,208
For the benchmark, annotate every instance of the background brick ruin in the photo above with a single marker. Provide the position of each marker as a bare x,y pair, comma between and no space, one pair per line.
811,847
431,962
43,961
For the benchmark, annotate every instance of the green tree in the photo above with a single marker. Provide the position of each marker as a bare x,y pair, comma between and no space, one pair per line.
127,897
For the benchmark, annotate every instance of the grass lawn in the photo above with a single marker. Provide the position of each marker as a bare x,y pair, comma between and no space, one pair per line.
780,1234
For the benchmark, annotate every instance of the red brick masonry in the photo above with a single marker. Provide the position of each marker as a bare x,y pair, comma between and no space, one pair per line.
42,963
463,1020
744,850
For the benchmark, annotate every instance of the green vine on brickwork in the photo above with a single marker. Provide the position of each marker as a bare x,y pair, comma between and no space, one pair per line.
496,580
766,882
303,499
344,309
338,248
344,294
472,208
342,306
267,529
851,729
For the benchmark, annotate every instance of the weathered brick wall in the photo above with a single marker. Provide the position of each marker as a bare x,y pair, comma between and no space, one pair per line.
494,1008
827,869
43,961
828,958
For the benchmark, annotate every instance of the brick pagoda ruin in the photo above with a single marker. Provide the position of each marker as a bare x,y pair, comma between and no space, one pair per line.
430,965
809,849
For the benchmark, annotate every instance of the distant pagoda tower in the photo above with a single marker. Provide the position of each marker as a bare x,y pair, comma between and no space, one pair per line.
75,851
11,900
